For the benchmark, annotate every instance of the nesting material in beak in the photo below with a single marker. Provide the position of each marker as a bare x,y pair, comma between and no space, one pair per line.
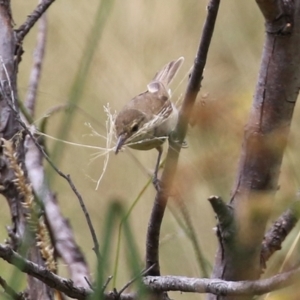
120,143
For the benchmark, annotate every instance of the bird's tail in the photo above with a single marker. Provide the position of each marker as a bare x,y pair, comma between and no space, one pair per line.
168,72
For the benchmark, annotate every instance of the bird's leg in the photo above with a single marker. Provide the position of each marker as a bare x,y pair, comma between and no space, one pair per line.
156,181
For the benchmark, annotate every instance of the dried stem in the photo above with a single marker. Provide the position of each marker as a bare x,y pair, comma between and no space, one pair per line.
32,19
38,58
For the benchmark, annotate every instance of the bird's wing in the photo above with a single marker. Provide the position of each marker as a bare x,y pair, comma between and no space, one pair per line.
168,72
151,103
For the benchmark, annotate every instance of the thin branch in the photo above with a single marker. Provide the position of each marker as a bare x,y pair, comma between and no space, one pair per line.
74,189
87,216
154,283
50,279
67,178
108,280
130,282
9,290
61,234
38,57
279,231
59,228
152,243
222,287
32,19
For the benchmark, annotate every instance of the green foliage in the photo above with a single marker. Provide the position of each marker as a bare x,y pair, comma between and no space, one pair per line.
116,215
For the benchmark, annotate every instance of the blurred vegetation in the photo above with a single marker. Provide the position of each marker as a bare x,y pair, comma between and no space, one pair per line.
138,39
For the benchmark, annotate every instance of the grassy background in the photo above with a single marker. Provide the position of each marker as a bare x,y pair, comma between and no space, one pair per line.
139,37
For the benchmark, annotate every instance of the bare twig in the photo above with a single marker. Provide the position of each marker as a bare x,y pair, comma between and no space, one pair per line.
32,19
11,104
108,280
74,189
87,216
158,284
60,231
37,64
222,287
59,228
50,279
152,244
9,291
130,282
279,231
66,177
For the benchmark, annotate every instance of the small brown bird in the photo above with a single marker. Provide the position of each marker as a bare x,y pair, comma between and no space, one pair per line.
147,120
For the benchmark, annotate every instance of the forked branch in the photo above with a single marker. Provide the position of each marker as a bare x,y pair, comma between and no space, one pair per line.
264,142
32,19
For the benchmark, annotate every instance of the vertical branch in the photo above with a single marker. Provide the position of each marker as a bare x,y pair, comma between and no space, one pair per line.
8,126
264,142
59,227
60,230
10,129
38,58
152,243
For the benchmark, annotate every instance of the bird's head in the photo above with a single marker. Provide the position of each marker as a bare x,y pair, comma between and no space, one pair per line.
127,123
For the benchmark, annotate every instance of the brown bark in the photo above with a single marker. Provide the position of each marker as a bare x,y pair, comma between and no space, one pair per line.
10,129
265,138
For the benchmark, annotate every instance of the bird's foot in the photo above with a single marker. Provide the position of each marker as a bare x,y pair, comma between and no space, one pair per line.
160,188
175,140
157,183
184,144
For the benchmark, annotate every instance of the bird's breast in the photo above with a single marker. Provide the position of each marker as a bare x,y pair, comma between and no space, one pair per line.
167,126
158,134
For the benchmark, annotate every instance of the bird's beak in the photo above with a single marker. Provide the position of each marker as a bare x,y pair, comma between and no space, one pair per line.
120,143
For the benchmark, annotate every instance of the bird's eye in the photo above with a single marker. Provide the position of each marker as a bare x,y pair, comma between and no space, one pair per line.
135,128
